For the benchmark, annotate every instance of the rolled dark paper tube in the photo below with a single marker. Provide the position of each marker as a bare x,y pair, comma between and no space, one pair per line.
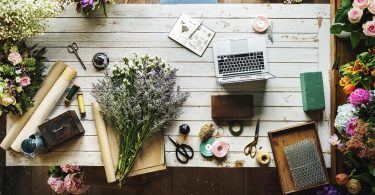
68,98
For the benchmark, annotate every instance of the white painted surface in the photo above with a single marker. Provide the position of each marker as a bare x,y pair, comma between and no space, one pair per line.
300,45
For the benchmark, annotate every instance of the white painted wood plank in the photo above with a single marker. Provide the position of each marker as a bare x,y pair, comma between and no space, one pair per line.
211,11
188,69
210,84
163,37
204,113
165,25
281,99
231,160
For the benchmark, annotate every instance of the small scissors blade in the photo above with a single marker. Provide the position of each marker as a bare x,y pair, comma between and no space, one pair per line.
256,131
174,141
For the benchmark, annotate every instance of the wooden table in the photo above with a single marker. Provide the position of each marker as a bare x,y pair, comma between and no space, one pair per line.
300,44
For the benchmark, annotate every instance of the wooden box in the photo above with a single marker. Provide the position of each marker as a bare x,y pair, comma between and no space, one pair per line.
287,136
61,128
232,107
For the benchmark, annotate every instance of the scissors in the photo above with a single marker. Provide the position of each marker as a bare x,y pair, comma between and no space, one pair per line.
251,148
73,48
183,152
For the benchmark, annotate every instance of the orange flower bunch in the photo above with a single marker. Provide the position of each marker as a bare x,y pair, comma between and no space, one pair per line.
359,73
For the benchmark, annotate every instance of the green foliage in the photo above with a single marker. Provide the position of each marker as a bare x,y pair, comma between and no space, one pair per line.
336,29
355,38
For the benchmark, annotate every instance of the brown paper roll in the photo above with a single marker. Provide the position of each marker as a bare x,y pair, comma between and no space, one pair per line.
113,145
104,143
45,107
46,86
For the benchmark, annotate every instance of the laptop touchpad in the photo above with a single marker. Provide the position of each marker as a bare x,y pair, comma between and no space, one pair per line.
239,46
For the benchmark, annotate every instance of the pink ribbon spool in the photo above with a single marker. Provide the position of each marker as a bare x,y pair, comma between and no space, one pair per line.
220,148
261,24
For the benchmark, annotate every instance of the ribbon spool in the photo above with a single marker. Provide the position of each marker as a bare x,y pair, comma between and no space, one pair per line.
263,158
81,104
261,24
69,96
100,61
206,147
220,148
235,131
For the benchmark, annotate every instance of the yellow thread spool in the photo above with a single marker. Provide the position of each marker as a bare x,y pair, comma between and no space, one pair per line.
81,104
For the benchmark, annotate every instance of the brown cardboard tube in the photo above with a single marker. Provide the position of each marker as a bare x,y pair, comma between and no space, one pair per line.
104,143
46,86
45,107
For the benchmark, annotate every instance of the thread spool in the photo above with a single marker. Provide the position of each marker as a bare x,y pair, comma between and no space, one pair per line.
261,24
69,96
220,149
263,158
81,104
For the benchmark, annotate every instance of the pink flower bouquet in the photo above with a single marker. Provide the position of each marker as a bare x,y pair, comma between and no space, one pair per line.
356,17
67,178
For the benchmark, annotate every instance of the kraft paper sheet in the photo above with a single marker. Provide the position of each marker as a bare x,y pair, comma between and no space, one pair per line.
19,123
104,143
45,107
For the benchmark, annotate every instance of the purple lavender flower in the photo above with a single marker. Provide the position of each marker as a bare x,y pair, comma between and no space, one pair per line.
87,3
351,126
359,96
328,190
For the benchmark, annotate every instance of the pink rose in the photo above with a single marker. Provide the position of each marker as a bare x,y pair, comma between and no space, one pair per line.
25,81
369,28
8,100
362,4
74,183
371,7
56,184
15,58
355,15
71,168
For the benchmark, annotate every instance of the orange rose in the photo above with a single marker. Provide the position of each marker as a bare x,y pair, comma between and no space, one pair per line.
349,88
371,51
358,65
349,69
342,178
365,70
344,81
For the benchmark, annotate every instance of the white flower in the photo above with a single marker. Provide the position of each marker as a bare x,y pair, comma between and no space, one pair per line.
18,79
344,113
334,140
18,71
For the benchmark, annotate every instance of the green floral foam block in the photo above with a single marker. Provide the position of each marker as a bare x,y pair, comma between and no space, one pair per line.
312,91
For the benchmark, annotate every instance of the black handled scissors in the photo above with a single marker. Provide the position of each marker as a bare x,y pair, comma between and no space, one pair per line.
251,148
183,152
73,48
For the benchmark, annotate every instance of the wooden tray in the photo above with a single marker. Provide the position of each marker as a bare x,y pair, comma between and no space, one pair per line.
283,137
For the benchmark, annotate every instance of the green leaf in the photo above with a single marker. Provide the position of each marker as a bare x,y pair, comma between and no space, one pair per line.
341,15
336,29
355,39
345,3
363,177
349,27
105,10
369,41
373,189
335,65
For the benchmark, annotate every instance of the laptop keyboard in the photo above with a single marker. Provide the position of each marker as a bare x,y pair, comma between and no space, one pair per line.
238,63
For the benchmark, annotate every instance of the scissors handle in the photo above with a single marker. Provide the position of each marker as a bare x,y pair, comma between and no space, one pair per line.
250,149
73,48
184,153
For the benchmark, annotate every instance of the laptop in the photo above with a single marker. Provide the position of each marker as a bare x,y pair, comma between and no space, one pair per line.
241,60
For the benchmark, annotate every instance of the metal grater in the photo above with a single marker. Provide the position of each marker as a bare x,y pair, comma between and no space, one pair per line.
305,164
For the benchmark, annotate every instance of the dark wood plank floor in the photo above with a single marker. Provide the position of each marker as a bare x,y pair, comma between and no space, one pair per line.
181,181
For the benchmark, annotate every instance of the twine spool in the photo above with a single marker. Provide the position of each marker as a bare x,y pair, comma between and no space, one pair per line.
206,131
263,158
68,98
81,104
261,24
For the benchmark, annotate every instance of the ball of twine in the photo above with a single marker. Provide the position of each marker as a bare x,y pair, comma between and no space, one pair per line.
263,158
206,131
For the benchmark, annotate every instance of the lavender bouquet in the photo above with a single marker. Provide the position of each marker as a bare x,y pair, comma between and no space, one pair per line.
138,99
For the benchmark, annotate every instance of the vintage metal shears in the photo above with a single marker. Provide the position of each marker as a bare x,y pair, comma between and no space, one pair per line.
183,152
73,48
251,148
